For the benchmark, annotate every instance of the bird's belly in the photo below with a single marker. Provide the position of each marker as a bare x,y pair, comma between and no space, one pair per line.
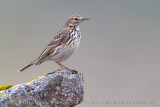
64,52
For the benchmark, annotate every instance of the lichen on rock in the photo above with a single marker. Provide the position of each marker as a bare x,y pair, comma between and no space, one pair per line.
3,87
58,89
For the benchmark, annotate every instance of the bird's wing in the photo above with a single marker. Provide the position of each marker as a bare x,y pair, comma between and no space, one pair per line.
60,39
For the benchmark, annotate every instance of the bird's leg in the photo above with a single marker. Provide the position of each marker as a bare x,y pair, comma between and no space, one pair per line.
62,66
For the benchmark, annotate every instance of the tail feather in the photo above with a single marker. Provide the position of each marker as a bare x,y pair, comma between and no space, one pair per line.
32,63
25,67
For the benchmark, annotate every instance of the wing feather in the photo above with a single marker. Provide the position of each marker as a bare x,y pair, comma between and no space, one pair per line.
60,39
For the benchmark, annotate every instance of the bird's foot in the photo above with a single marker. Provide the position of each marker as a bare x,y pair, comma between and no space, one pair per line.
62,66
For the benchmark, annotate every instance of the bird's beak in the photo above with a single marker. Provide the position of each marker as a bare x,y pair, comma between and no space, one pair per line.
83,19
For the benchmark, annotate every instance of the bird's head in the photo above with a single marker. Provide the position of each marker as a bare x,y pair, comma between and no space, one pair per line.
75,20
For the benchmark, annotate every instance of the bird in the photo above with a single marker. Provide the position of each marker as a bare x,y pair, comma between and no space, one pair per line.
63,44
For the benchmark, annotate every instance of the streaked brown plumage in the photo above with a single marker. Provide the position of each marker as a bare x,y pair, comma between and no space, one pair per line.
63,45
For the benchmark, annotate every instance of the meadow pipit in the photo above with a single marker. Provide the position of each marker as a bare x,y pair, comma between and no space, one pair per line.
63,45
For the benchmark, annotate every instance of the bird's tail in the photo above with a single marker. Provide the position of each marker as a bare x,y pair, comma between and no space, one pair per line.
30,64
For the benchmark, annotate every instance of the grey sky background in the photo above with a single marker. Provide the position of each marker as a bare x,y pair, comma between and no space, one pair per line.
119,54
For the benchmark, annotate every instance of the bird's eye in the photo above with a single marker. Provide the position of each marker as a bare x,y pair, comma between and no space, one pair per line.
76,19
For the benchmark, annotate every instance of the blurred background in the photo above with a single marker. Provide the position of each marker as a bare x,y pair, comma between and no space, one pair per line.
119,54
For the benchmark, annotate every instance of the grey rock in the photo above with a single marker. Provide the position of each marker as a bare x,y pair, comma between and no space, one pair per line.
57,89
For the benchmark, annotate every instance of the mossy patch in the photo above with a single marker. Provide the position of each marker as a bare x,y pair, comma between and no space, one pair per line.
29,81
37,79
11,106
15,99
3,87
